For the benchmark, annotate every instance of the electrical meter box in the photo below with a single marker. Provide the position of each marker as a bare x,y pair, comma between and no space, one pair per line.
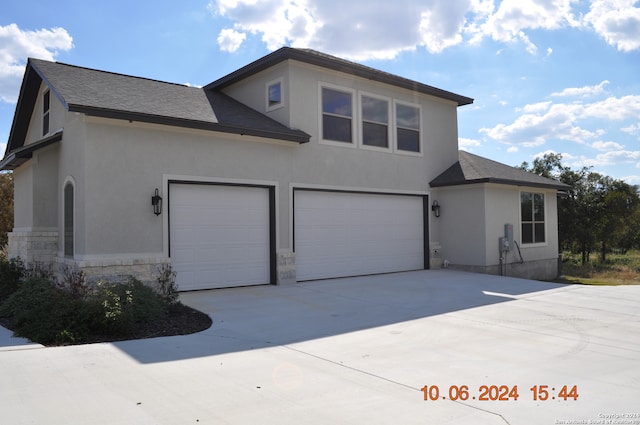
506,242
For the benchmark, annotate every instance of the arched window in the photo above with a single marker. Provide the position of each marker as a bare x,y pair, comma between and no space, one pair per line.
68,219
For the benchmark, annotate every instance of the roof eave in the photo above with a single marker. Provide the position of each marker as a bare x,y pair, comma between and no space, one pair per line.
294,136
519,183
19,156
287,53
24,108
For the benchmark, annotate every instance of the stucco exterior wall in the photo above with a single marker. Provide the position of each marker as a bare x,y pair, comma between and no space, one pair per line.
472,221
23,197
460,229
301,110
45,188
57,116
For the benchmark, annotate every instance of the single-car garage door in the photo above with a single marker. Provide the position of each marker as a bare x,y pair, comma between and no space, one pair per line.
219,235
341,234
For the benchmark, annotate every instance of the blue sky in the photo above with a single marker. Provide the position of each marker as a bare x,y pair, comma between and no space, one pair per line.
547,75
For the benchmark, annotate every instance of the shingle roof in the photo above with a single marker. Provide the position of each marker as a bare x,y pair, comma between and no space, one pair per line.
84,88
333,63
111,95
473,169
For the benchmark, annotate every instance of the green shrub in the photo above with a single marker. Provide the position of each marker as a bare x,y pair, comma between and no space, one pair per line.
46,314
11,273
117,307
167,288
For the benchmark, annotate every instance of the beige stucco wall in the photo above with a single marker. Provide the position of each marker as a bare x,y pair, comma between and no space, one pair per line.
473,219
57,116
301,110
23,197
460,229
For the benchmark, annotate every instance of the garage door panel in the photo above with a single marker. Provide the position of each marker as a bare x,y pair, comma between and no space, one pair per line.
219,235
348,234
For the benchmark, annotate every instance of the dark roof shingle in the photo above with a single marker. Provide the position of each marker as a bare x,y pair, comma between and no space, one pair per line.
474,169
106,94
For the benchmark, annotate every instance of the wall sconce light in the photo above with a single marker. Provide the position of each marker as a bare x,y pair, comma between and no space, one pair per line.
435,207
156,201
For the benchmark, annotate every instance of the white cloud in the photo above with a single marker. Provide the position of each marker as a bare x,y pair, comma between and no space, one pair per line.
513,17
16,45
632,180
615,108
230,40
467,144
582,91
617,157
606,146
513,149
632,129
364,30
617,21
536,107
544,121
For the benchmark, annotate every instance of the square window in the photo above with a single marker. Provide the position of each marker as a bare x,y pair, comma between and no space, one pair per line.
337,113
274,94
532,217
375,122
408,128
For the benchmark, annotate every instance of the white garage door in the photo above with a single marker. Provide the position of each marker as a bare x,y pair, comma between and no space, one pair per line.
341,234
219,235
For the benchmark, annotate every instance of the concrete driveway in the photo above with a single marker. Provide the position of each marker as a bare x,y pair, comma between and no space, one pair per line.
354,351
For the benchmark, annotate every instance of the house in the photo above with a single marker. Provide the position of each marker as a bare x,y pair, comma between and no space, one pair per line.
298,166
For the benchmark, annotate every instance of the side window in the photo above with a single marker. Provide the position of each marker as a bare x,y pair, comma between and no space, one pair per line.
532,217
46,104
407,128
68,220
274,95
375,121
337,115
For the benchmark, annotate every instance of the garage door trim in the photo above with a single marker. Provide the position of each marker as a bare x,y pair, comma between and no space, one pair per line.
272,216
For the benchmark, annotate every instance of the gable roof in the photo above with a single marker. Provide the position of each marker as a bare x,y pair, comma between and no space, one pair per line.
474,169
112,95
333,63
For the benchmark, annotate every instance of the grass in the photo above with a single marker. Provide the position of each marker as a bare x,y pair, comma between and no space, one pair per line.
618,269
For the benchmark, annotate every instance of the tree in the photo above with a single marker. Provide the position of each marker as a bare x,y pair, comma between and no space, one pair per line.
597,209
6,206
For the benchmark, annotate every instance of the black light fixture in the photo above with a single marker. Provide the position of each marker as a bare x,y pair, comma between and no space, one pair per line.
156,201
435,207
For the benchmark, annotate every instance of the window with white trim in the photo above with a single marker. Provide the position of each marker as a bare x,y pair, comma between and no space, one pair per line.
375,121
407,127
274,95
46,106
532,218
337,115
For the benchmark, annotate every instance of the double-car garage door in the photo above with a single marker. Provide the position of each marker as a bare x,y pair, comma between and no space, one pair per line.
341,234
223,235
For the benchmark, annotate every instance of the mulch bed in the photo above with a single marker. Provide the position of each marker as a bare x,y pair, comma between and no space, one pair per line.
181,320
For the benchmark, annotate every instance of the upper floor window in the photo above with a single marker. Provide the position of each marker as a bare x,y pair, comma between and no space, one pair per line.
46,105
337,115
274,95
375,121
408,127
532,217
